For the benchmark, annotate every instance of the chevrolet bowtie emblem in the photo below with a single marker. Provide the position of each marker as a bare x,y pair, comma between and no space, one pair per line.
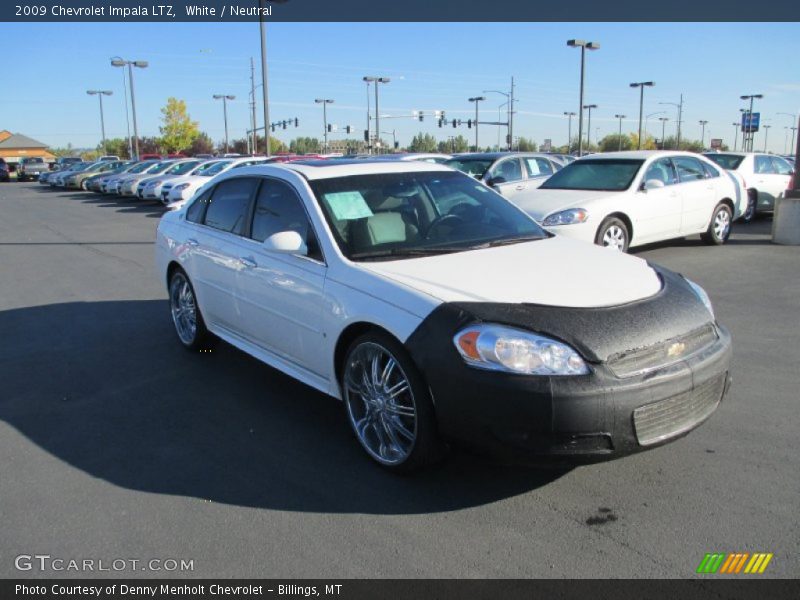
676,349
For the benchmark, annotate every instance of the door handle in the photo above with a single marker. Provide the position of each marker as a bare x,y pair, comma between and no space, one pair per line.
520,187
192,242
248,262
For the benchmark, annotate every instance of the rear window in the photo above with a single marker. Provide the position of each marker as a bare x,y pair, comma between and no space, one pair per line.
471,166
730,162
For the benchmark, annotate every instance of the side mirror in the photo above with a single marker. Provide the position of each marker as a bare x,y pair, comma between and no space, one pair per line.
286,242
652,184
493,181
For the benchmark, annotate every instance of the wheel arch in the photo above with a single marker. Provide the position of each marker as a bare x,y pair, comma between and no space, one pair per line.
347,336
622,217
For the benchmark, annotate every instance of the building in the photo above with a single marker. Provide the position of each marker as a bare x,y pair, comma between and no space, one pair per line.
14,146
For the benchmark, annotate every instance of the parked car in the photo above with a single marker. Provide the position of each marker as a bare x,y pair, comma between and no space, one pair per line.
111,157
406,290
176,192
765,177
510,173
111,185
419,156
78,180
128,183
30,167
5,171
625,199
150,156
58,178
64,161
96,181
150,187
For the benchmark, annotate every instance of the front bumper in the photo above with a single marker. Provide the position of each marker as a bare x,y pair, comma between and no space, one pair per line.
616,410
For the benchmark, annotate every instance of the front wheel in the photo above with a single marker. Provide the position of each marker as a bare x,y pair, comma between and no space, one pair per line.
388,404
186,317
613,233
719,229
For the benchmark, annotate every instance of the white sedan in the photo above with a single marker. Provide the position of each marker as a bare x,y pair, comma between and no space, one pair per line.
625,199
437,310
178,191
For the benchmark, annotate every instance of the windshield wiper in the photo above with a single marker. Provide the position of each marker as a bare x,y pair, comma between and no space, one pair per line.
400,252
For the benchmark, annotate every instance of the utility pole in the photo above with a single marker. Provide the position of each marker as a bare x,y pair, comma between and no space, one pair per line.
766,134
583,45
264,88
703,133
324,102
511,115
569,129
100,94
476,99
619,136
253,105
663,130
735,135
225,98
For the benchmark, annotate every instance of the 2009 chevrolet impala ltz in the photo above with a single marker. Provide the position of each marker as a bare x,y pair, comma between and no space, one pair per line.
438,311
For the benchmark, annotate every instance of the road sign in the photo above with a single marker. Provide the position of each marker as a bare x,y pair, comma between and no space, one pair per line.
716,143
750,122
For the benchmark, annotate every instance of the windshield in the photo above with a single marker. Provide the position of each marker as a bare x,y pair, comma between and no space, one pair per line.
160,167
213,168
476,167
36,160
400,215
141,167
730,162
182,168
613,175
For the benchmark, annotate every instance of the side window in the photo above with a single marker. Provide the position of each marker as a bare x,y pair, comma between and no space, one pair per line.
711,172
781,166
689,169
508,169
663,171
764,164
538,167
197,208
278,208
229,204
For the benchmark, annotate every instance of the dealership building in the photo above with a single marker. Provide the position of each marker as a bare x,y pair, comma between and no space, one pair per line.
15,146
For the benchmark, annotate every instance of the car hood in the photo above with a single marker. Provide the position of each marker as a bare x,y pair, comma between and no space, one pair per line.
553,272
186,179
543,202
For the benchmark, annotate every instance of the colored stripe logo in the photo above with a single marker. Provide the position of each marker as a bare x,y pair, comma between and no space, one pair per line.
734,563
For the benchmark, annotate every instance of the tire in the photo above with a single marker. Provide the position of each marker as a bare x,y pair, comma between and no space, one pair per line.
388,404
750,212
719,228
613,233
186,318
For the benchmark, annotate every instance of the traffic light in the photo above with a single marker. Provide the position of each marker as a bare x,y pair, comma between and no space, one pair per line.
454,124
421,115
469,123
396,145
297,122
330,128
440,122
284,124
348,129
366,135
272,127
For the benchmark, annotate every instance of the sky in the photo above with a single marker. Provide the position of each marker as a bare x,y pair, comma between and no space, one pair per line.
432,66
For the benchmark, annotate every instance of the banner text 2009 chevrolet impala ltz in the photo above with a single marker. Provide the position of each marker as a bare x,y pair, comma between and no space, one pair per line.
438,311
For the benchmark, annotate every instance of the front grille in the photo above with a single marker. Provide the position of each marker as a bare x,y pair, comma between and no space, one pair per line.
635,362
668,418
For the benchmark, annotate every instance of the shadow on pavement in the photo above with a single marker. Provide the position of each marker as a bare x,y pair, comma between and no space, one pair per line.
106,388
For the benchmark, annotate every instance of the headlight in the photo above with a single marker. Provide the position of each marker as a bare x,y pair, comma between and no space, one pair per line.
181,187
567,217
702,295
500,348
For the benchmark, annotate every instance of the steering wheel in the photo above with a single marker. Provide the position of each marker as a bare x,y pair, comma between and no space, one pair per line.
448,219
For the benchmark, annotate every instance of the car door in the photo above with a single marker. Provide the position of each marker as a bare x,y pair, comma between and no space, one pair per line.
213,246
510,170
282,294
537,169
783,175
766,181
698,192
656,212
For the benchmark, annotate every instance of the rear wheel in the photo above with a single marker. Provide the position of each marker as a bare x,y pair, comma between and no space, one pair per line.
388,404
750,211
719,229
613,233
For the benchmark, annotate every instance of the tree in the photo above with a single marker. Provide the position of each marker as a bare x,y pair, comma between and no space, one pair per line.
305,145
67,151
454,145
525,145
116,147
649,142
615,141
178,131
423,143
202,144
688,145
149,145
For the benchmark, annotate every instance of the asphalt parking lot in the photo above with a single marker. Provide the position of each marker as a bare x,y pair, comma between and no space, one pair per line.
117,443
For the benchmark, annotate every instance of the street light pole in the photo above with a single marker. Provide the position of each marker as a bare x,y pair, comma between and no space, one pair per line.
619,135
766,134
100,94
476,99
569,129
589,107
377,80
750,134
583,45
641,85
225,98
735,135
324,102
663,130
509,118
142,64
264,89
703,133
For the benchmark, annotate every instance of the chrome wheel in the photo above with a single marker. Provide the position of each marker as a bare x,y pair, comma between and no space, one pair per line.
380,403
722,224
184,308
615,237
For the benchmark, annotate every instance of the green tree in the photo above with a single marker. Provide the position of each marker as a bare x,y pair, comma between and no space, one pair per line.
178,131
525,145
150,145
66,151
304,145
202,144
615,141
116,147
649,142
454,145
423,142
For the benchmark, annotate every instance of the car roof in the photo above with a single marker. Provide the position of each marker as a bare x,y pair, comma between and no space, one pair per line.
496,155
327,169
636,154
